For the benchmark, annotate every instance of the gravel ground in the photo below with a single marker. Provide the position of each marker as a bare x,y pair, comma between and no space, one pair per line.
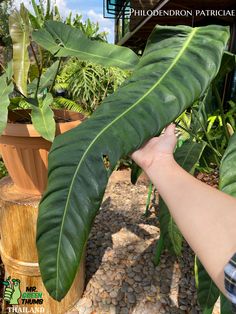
121,277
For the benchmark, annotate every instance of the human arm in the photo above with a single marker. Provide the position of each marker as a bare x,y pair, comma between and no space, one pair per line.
205,216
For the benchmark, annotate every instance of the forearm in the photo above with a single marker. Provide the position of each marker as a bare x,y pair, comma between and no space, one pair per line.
205,216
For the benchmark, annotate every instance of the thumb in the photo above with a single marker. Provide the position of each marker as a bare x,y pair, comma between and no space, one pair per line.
170,129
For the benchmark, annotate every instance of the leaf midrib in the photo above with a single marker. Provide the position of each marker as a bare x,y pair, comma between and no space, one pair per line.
94,55
87,53
185,46
24,53
45,124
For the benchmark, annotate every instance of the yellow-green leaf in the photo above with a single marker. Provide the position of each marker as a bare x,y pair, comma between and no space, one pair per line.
20,31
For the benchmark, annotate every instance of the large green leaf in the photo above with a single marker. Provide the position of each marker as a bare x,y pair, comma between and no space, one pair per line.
228,64
46,79
20,31
5,91
173,238
64,40
158,250
9,71
175,69
228,168
42,117
136,172
228,185
225,305
187,156
207,291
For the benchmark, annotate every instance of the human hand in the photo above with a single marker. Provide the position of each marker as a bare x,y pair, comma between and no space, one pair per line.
156,149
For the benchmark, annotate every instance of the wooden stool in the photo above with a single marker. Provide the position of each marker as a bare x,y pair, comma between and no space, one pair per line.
18,217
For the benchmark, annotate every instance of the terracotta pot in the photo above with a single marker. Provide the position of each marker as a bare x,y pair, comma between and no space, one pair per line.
25,152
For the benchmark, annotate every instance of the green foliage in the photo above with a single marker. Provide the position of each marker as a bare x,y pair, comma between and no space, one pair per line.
5,8
20,31
5,89
42,116
207,126
208,121
89,28
136,171
173,238
158,250
207,291
228,169
87,84
46,80
64,41
225,305
61,102
228,63
43,13
133,114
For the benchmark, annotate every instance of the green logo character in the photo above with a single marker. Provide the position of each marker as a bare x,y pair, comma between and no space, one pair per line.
12,291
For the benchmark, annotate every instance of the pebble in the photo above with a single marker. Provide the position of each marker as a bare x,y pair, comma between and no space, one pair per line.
113,294
131,297
137,278
131,274
114,301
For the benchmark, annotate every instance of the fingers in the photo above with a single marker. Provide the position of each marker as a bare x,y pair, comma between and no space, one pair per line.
170,129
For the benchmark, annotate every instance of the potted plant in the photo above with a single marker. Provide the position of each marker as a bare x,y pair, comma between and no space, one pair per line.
175,71
28,122
27,116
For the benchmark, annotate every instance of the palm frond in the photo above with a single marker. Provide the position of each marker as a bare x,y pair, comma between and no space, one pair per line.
61,102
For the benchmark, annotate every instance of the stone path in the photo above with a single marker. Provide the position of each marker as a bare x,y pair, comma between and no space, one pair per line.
121,278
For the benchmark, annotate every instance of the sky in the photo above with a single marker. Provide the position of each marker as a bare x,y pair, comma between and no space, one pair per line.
92,9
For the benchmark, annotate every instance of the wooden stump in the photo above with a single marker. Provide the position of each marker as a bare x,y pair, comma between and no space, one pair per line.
18,216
